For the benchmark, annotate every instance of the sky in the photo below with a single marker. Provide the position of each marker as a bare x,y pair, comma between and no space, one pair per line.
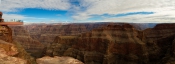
80,11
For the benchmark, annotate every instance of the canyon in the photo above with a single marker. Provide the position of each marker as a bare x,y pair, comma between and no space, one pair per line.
100,43
118,44
13,50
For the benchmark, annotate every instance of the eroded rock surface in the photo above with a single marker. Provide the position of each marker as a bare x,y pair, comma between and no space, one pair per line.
7,51
5,33
58,60
10,51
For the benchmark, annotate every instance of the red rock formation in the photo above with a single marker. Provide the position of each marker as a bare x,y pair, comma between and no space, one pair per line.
13,53
7,50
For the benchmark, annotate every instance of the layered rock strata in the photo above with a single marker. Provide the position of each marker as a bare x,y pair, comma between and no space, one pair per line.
32,46
118,44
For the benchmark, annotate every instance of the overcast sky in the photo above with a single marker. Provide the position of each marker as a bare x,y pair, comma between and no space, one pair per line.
51,11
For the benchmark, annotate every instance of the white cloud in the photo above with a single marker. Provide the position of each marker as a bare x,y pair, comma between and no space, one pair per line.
16,5
162,8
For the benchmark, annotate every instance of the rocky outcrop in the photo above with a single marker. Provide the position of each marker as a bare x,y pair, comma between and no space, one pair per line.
7,50
118,44
10,51
13,54
5,33
58,60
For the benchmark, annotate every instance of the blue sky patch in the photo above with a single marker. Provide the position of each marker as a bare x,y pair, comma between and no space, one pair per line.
102,17
133,13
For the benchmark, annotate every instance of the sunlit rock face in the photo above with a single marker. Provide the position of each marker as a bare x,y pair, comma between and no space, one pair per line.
5,33
7,51
58,60
12,52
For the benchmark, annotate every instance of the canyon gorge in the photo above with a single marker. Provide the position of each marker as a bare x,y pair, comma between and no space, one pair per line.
100,43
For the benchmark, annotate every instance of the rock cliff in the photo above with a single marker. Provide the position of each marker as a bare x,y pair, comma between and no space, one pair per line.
45,33
10,51
118,44
22,36
5,33
34,37
7,50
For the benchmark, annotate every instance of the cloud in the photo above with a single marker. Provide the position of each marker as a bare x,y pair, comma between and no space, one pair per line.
16,5
162,8
84,10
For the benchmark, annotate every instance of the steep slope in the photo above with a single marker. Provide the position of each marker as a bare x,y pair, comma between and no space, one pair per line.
160,42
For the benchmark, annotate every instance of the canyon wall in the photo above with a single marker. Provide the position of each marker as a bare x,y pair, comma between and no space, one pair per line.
34,38
45,33
118,44
22,36
101,43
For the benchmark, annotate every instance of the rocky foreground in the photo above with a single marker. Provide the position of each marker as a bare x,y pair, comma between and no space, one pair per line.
13,53
7,50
